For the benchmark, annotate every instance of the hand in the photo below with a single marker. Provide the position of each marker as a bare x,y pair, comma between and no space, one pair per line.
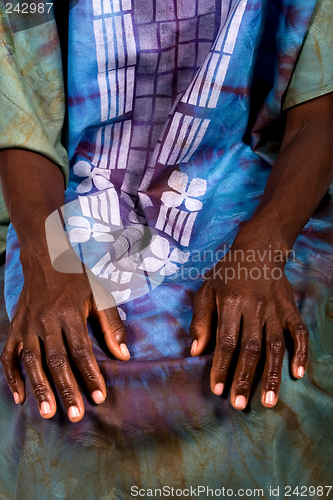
244,307
52,304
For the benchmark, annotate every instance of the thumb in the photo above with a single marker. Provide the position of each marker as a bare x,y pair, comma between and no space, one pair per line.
104,309
114,332
204,309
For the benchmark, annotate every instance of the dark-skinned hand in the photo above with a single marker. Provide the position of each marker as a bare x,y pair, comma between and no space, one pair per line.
243,308
54,304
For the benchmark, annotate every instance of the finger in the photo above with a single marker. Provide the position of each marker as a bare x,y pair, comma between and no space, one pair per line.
275,347
204,310
105,311
61,372
32,360
82,354
300,336
250,351
114,332
10,359
229,318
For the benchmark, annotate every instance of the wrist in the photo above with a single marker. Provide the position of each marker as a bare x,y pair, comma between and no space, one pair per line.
50,248
263,237
44,239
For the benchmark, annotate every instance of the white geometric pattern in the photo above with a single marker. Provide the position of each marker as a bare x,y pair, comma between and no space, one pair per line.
82,232
206,87
116,57
103,207
183,139
114,151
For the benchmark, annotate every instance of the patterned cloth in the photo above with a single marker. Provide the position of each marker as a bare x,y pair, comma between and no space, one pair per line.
174,111
313,75
32,98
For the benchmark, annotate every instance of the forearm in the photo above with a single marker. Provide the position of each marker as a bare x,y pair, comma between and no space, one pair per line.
33,187
299,178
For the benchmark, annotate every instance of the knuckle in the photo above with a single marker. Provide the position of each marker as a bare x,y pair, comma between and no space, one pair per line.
29,357
302,353
276,346
11,380
272,380
42,315
197,324
227,345
6,358
301,331
232,299
39,390
72,313
80,353
252,348
116,330
91,377
243,385
220,371
68,394
56,362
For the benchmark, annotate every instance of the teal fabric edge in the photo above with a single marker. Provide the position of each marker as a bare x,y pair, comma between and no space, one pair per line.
307,96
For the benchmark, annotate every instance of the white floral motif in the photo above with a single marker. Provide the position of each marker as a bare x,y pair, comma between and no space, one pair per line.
178,181
99,176
81,233
165,262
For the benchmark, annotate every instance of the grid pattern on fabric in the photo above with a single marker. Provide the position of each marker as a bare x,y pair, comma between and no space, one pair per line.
174,38
161,66
147,53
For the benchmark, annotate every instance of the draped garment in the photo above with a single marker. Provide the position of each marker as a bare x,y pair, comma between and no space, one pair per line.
174,120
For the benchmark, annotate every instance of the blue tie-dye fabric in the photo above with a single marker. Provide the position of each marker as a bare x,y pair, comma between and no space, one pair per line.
174,111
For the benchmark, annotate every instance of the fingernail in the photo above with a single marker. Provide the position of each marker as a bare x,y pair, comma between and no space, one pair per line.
300,371
98,397
240,402
73,412
16,397
124,350
270,398
194,346
218,389
45,408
